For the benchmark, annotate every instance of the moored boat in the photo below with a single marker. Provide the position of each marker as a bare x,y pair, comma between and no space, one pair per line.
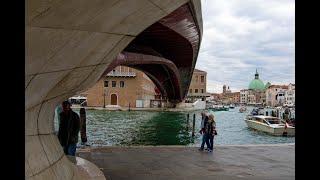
269,124
219,108
242,109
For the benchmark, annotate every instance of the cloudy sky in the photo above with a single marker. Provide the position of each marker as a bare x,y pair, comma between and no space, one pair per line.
242,35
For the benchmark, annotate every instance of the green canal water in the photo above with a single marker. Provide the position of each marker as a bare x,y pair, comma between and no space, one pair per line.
114,128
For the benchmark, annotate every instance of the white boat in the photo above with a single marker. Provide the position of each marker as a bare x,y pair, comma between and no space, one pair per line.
271,125
242,109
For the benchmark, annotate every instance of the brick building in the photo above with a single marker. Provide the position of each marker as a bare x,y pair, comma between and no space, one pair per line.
122,87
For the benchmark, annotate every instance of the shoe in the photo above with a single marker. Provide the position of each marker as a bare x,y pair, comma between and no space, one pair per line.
209,150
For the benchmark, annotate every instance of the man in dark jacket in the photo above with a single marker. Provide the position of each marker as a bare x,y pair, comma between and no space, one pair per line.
69,127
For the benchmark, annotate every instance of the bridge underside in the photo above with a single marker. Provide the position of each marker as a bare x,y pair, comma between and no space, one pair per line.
166,51
70,44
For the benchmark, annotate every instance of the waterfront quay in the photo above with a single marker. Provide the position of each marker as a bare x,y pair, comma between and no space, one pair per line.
227,162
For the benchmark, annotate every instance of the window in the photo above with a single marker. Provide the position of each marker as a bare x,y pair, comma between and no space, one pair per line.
196,78
202,91
122,84
106,83
190,90
202,79
196,91
114,83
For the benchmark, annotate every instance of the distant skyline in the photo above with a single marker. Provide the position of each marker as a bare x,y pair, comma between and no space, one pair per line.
240,36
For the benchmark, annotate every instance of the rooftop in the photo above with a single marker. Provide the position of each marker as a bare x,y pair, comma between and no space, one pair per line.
197,70
278,86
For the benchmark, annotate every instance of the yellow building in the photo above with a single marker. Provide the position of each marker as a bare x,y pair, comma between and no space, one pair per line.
198,86
123,87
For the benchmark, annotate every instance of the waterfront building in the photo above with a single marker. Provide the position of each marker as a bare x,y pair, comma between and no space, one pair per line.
243,96
290,95
198,86
275,95
227,96
122,87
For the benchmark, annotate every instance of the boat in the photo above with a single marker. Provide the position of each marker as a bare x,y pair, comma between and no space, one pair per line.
242,109
270,125
219,108
231,106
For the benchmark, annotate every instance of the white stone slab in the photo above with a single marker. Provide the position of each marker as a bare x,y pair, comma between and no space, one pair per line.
64,169
70,81
31,116
40,87
35,156
42,44
126,17
52,147
169,5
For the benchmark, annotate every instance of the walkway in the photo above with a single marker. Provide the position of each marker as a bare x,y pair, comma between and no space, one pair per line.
179,162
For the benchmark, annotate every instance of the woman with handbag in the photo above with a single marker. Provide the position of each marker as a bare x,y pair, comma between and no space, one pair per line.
212,131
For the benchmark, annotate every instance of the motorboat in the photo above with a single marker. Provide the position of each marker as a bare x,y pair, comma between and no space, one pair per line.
231,106
219,108
242,109
271,125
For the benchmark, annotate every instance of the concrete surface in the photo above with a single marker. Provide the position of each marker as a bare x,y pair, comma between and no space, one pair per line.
180,162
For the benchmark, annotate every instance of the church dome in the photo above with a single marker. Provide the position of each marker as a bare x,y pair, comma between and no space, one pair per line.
256,83
267,85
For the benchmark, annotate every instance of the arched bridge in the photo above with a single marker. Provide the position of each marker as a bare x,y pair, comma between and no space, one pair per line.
71,43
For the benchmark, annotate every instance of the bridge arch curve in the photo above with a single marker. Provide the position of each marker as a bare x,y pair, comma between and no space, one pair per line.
69,44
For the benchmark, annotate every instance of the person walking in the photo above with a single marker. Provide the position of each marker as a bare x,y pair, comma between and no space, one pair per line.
204,121
69,127
211,131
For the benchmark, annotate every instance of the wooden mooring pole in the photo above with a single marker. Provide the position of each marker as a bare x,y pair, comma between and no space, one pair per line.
193,124
187,122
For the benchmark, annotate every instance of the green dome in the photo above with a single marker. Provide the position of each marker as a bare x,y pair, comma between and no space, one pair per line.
256,84
267,85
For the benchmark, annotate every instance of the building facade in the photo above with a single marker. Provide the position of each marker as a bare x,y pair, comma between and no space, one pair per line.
198,86
243,96
122,87
226,97
290,95
275,95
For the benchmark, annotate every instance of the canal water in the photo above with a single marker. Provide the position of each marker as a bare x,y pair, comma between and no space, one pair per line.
116,128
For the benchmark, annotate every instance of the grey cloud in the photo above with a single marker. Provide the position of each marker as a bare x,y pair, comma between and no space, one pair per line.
240,36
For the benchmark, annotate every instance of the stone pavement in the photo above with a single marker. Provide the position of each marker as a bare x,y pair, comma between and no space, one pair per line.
181,162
